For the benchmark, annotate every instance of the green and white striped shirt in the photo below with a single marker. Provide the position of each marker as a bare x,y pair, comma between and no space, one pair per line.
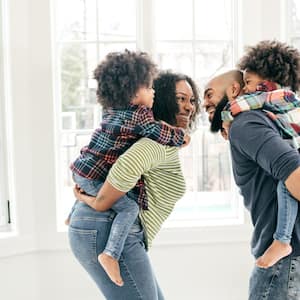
163,176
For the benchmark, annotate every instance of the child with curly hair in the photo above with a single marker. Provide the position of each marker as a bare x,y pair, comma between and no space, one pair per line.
268,67
125,92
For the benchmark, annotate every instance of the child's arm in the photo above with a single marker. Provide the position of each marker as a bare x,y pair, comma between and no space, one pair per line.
160,132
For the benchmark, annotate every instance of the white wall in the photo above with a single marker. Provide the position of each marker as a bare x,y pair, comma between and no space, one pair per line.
36,263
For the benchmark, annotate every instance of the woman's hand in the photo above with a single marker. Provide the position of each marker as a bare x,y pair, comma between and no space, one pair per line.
104,200
82,196
79,193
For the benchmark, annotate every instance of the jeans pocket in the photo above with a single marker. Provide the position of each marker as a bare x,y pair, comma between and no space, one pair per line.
83,244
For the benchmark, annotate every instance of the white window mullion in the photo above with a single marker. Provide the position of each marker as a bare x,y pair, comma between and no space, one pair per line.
5,174
145,29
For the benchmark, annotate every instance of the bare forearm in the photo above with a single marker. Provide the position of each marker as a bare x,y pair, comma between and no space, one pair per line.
107,196
293,183
104,200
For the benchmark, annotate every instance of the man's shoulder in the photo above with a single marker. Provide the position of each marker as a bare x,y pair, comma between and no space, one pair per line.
249,119
250,116
250,125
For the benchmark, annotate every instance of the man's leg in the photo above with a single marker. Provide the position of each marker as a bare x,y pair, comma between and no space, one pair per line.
280,282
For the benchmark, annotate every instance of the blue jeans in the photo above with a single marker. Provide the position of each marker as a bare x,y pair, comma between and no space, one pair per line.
287,213
127,211
279,282
88,234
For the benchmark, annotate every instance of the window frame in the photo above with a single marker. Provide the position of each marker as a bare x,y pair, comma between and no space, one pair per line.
5,200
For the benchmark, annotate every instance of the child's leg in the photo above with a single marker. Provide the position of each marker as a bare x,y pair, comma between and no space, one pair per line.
127,211
91,187
287,213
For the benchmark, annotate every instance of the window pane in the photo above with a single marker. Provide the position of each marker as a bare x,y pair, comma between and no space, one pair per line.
212,57
76,20
213,20
174,19
105,48
117,20
176,56
77,62
295,12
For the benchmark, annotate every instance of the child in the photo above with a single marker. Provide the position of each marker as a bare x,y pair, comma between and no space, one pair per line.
126,94
266,67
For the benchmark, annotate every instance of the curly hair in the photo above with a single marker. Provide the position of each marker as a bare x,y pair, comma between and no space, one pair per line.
165,106
120,75
274,61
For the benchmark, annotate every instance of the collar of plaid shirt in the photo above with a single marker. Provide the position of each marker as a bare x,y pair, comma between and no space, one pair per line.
280,105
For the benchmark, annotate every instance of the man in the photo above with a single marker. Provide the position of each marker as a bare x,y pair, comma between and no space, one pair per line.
260,158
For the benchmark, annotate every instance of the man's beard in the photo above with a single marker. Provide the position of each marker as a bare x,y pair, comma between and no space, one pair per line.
216,122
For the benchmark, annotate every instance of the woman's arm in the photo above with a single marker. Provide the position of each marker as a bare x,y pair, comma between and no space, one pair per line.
126,171
104,200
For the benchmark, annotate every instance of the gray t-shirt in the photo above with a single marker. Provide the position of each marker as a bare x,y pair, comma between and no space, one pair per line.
260,158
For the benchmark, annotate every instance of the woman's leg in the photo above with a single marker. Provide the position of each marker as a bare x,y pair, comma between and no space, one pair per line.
88,233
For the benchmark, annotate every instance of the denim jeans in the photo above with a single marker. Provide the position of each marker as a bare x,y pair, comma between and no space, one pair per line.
287,213
88,234
127,211
279,282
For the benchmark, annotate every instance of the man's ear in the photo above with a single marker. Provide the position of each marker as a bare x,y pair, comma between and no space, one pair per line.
236,89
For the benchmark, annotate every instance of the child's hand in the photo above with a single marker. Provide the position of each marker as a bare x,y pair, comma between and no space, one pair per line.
225,130
187,140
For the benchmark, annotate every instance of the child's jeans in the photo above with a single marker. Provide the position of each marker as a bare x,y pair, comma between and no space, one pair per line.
127,211
287,213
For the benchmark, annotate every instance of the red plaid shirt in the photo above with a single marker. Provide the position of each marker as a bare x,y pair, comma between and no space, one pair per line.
118,131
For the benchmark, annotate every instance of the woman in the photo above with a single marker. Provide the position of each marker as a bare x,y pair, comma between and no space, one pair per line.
175,103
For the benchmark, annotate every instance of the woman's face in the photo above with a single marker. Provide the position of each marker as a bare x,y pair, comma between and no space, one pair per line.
186,103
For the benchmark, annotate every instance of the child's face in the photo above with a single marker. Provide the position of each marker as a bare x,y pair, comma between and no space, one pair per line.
144,96
251,81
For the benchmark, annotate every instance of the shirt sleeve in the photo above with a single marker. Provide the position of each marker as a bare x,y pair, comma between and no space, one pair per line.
256,137
160,132
142,156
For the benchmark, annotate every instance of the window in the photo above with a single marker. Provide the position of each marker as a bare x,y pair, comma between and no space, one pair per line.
185,43
91,29
4,199
294,17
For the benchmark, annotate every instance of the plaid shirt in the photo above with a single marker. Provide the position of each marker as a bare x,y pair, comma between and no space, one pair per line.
280,105
119,130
